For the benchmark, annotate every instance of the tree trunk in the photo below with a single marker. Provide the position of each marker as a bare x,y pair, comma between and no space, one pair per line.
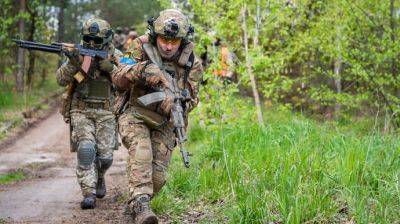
393,27
249,67
258,21
43,76
338,65
1,73
338,81
19,79
61,25
31,68
105,12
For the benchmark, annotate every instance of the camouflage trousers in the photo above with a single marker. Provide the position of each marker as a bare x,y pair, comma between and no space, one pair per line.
150,151
97,127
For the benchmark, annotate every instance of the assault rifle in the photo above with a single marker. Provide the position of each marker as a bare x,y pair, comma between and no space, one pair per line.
64,48
177,115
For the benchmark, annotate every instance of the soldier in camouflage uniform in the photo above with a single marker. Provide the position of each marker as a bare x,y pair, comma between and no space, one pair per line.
93,125
119,38
147,131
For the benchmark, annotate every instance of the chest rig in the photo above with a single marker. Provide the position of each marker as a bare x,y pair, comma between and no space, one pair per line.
145,104
185,60
95,91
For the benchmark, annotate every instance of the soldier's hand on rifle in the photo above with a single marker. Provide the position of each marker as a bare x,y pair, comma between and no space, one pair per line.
155,80
167,104
119,77
74,57
106,65
154,76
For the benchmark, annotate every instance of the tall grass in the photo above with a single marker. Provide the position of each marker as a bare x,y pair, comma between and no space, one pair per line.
6,96
292,171
12,104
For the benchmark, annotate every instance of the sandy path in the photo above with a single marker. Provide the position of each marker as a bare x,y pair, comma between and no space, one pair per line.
53,195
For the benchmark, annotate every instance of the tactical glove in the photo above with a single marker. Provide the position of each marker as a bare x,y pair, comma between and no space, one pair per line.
74,58
154,76
120,77
106,65
167,104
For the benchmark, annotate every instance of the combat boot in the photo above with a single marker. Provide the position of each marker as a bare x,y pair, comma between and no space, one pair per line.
142,213
89,202
101,189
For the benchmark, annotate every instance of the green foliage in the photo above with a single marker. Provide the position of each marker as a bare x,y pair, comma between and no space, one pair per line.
221,103
120,13
11,177
292,171
324,57
6,96
13,104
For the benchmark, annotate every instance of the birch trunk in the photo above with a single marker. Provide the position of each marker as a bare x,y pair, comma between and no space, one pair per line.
393,27
337,70
249,67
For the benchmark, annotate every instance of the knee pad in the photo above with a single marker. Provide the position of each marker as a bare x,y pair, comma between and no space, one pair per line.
158,178
104,164
86,154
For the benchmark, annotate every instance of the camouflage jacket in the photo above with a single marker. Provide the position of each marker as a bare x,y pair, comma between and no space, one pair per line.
139,88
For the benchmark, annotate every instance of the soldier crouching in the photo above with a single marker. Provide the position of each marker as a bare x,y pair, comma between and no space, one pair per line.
92,123
146,130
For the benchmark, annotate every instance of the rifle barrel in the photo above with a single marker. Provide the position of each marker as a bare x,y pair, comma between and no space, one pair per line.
38,46
30,43
42,48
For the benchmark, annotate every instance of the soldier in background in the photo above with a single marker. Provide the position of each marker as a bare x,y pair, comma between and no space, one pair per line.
147,131
225,63
126,30
119,39
93,125
131,36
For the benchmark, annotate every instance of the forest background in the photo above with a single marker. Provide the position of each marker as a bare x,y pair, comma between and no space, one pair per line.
308,132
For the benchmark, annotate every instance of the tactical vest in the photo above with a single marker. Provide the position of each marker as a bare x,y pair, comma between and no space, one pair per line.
179,69
94,92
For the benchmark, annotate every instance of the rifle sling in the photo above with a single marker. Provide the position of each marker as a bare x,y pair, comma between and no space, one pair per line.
188,67
153,55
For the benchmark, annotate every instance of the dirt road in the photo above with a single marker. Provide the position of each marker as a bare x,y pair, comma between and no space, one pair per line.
51,193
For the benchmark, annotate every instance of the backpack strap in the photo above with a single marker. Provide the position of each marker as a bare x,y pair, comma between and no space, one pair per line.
188,67
153,54
185,54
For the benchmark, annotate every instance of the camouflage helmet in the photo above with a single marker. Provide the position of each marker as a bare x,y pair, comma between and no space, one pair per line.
97,32
172,23
118,29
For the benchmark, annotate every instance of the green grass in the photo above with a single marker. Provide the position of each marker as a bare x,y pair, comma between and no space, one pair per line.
12,177
292,171
13,104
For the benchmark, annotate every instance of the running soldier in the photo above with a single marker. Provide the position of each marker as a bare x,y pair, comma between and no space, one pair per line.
147,130
87,107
